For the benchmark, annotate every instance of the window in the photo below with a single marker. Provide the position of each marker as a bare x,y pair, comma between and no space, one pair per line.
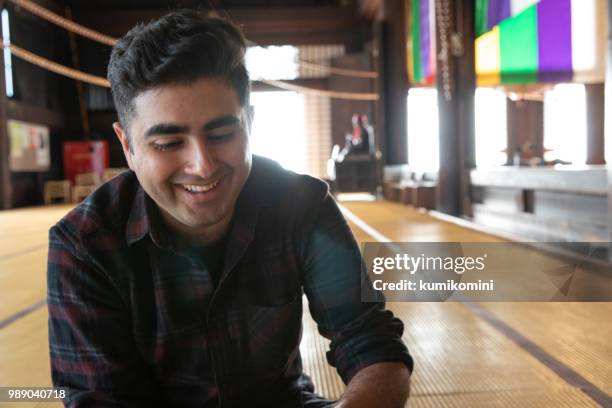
491,131
293,129
565,129
423,136
278,128
275,62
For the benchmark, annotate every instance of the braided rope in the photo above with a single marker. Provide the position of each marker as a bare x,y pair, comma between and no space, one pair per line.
64,22
55,67
334,70
357,96
340,71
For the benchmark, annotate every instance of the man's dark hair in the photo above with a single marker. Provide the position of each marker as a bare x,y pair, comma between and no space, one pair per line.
180,47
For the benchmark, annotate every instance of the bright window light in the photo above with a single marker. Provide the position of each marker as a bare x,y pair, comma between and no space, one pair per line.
8,64
275,62
423,136
491,131
278,128
565,126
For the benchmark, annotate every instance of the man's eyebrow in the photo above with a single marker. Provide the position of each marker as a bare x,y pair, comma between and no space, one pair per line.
222,121
165,129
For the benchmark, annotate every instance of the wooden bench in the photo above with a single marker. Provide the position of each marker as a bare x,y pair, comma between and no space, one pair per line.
414,189
85,184
57,190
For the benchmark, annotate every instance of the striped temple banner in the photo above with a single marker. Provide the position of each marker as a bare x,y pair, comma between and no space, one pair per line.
531,41
421,42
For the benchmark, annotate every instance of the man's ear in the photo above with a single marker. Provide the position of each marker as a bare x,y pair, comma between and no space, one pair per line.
125,142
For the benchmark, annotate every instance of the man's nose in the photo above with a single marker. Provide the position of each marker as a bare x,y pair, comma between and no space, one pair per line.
201,161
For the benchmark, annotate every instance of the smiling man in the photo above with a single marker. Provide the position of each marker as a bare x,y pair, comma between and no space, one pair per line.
194,153
180,282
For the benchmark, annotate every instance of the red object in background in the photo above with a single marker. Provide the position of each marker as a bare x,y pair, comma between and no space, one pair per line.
85,157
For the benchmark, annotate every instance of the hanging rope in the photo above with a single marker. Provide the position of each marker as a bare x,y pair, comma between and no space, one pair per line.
322,67
55,67
321,92
340,71
64,22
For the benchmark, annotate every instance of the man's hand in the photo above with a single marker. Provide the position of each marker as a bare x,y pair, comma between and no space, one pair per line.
381,385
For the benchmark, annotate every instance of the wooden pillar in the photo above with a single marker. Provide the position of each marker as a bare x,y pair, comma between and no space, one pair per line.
456,86
595,123
511,130
608,123
536,115
395,85
5,171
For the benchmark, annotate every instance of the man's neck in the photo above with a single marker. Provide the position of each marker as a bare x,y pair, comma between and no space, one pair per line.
187,236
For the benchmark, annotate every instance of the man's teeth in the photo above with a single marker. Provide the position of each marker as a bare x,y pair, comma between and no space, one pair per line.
192,188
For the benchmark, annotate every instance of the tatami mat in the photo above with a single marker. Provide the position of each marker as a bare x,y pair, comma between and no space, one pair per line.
461,359
578,334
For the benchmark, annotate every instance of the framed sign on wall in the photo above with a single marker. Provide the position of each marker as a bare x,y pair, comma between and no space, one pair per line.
29,146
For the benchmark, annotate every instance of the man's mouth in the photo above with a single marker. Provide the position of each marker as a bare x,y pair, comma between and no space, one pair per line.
200,188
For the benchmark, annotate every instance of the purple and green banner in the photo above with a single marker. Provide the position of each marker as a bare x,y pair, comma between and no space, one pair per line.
531,41
421,42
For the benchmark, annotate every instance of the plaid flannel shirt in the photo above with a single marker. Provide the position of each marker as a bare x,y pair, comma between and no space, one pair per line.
134,322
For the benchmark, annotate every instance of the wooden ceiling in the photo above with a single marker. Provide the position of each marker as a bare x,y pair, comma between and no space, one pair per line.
200,4
265,22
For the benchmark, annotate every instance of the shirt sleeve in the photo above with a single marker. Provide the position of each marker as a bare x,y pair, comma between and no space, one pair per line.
361,333
92,352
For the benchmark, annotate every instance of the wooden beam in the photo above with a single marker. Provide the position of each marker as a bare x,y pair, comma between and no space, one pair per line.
456,104
595,123
395,86
5,171
297,26
270,26
35,114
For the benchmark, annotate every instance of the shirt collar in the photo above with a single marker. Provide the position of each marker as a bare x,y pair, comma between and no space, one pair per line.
145,219
138,222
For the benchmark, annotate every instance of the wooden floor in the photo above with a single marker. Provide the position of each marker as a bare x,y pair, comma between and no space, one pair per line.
467,355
